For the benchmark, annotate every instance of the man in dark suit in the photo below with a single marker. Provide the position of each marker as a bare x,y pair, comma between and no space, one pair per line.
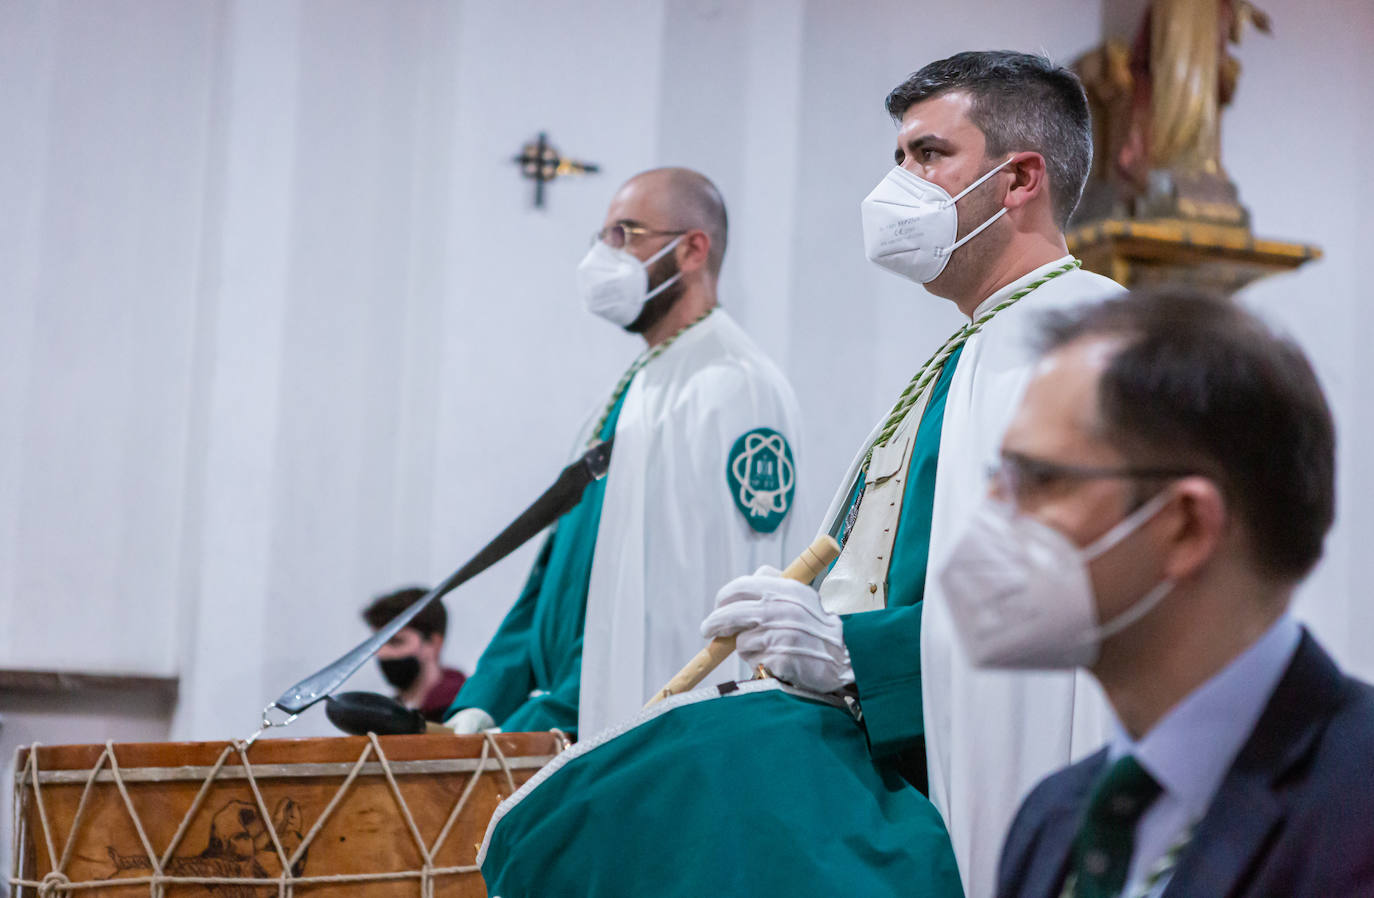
1165,486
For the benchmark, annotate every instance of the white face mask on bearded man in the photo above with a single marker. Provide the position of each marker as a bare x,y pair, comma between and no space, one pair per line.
911,225
614,284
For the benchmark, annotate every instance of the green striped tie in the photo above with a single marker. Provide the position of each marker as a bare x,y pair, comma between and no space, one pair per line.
1106,837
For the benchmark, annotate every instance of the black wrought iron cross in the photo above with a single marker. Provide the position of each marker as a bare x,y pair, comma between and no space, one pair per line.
539,161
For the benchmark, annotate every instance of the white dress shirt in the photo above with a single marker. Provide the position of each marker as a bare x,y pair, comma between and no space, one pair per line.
1191,748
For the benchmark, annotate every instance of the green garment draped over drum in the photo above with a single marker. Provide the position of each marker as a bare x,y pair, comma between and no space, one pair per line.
756,792
885,646
529,676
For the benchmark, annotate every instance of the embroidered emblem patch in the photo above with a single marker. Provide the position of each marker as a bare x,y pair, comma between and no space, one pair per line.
762,478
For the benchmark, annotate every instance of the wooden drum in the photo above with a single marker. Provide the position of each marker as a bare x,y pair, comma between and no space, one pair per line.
359,816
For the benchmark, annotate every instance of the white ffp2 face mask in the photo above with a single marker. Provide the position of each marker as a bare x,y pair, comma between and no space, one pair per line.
911,224
615,285
1020,593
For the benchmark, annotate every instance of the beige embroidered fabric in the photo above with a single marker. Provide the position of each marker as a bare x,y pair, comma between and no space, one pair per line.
392,815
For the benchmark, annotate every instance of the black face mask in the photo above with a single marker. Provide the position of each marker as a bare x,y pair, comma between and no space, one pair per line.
401,672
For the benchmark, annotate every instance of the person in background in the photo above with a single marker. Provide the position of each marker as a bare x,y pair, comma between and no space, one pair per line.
410,660
702,480
991,155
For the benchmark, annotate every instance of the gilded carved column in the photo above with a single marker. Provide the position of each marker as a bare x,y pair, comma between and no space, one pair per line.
1159,204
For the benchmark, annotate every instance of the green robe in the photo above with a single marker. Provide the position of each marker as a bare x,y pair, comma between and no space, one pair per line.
885,646
529,676
749,794
824,818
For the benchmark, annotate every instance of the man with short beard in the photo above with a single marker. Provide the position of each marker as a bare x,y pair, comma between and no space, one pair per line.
700,486
992,152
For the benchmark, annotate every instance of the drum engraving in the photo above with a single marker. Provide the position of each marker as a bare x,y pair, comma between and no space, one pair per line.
239,846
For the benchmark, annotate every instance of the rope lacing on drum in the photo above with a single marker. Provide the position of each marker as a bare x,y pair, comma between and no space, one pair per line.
57,882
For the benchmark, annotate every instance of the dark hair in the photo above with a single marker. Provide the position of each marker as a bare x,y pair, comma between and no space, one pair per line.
1198,380
431,620
1019,102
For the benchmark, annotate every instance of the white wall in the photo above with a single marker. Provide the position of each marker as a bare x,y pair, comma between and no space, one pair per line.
1297,142
98,265
282,331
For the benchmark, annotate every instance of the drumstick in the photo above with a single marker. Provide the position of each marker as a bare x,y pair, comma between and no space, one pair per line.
806,567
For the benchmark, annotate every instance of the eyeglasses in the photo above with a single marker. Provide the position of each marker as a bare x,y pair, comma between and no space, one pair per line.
621,233
1021,478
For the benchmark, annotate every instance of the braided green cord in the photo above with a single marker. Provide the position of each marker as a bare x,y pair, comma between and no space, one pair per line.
931,369
629,375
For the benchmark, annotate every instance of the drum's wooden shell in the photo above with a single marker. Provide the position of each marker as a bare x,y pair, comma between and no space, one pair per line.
366,833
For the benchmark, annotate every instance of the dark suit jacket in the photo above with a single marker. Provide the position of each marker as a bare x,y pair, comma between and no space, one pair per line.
1293,817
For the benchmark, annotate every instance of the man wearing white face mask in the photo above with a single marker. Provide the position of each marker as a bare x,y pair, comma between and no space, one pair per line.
992,152
1165,486
701,483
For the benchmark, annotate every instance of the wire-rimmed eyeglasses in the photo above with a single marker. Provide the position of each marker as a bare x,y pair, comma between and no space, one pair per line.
1017,477
622,232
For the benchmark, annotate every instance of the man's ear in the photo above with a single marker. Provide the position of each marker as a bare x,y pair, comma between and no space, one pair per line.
1030,180
694,251
1199,530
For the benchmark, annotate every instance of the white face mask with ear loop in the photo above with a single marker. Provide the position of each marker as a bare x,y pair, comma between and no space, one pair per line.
911,224
1020,593
615,284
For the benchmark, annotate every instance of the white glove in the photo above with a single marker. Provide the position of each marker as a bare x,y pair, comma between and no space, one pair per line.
780,624
471,720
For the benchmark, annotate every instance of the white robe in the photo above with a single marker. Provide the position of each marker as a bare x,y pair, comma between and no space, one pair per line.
670,531
991,736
